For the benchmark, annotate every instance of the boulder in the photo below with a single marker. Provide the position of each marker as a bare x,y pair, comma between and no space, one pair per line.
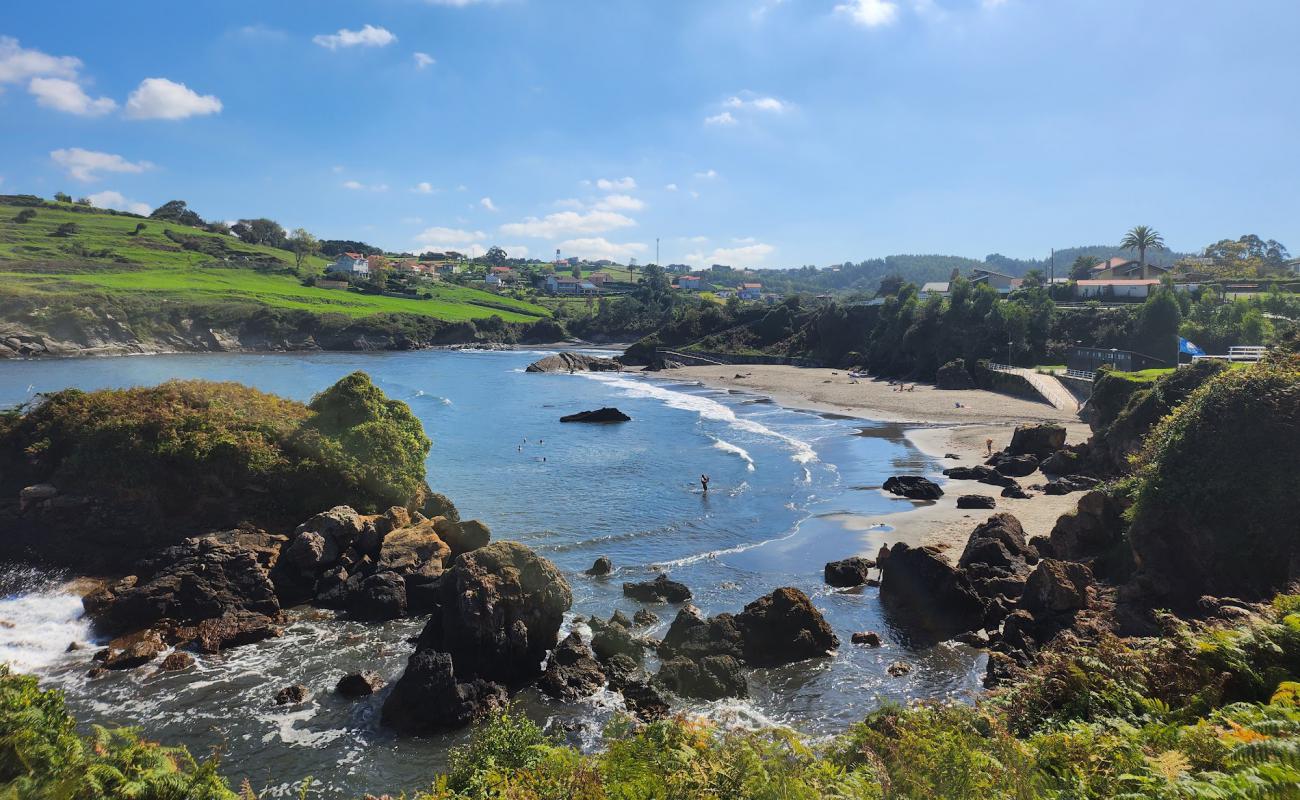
601,567
599,415
359,684
1070,483
429,699
847,572
292,695
1039,441
659,590
925,596
338,528
691,635
611,638
571,671
1013,466
196,580
134,651
999,541
913,487
1093,528
866,638
1056,587
413,549
177,661
784,627
978,501
574,362
1015,492
644,618
380,597
898,669
639,693
233,630
709,678
1066,461
462,537
501,610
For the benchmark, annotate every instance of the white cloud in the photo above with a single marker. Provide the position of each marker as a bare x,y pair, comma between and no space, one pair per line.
18,64
423,187
616,185
620,202
461,188
707,174
755,103
115,200
993,3
487,203
259,32
412,220
515,250
358,186
445,237
336,169
61,94
564,223
745,256
159,98
597,248
423,60
869,13
724,118
85,165
672,187
569,202
368,36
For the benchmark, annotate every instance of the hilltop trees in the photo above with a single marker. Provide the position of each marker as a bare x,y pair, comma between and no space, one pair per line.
260,231
1081,270
1247,257
1142,238
177,211
495,256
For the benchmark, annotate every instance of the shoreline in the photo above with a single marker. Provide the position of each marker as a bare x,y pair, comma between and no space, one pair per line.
934,426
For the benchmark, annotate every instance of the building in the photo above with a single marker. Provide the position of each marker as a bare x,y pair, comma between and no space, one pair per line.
350,264
1125,269
750,291
1091,359
492,280
1005,284
564,284
939,288
689,282
600,278
376,263
1127,289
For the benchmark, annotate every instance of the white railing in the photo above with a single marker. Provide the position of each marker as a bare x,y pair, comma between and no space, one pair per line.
1081,374
1238,353
1002,367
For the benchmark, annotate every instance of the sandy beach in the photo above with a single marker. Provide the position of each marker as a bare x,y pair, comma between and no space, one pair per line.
942,429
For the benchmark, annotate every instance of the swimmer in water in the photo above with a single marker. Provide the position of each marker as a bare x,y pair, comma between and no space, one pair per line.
704,483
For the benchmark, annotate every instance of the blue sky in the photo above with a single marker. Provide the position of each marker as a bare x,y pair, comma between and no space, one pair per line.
749,132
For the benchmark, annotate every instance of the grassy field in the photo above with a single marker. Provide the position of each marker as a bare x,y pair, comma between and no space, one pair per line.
106,254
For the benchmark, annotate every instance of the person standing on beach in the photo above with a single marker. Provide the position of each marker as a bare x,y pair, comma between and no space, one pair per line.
988,444
704,483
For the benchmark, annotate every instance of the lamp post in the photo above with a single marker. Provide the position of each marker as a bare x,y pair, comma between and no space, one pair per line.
1009,345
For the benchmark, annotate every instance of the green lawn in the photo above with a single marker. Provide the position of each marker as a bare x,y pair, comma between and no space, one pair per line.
105,254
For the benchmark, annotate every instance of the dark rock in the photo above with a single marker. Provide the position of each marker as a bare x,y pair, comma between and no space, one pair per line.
233,630
848,572
1065,461
1016,493
925,596
979,638
1094,527
332,589
866,638
599,415
784,627
980,473
619,618
175,662
981,501
1056,587
574,362
609,639
428,698
601,567
999,541
1039,441
954,375
1070,483
710,678
381,596
462,537
359,684
1014,466
423,594
659,590
644,618
693,636
291,695
952,456
134,651
913,487
898,669
571,671
644,700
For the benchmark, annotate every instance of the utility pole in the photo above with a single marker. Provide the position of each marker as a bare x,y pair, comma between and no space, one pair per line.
657,264
1052,279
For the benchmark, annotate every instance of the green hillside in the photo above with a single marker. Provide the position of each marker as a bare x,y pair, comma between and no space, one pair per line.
104,252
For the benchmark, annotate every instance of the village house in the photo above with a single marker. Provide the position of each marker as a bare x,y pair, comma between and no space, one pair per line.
350,264
376,263
689,282
934,288
1117,289
600,279
565,284
750,291
1005,284
1125,269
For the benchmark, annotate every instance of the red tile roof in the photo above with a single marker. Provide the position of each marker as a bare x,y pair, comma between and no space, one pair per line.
1119,282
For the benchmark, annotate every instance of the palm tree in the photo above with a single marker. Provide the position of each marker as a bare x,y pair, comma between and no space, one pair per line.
1141,238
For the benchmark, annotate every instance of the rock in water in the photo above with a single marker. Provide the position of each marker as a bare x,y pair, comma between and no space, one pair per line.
291,695
659,590
359,684
784,627
599,415
848,572
710,678
574,362
866,638
572,671
925,595
601,567
428,698
913,487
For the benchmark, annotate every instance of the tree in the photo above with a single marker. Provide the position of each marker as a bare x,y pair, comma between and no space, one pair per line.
1158,323
260,231
139,227
576,271
1247,257
25,216
1081,269
890,285
495,256
1142,238
177,211
62,197
303,245
217,226
83,201
66,229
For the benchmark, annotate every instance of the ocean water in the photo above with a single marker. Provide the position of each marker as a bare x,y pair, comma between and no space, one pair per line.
790,490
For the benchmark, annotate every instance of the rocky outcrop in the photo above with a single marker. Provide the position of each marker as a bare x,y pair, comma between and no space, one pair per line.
1070,483
599,415
709,678
976,501
925,596
359,684
954,375
692,635
572,671
849,572
615,637
1056,588
1039,441
784,627
1094,528
913,487
1015,466
659,590
499,615
574,362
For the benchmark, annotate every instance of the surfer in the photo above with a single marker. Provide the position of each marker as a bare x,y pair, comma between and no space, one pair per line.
704,483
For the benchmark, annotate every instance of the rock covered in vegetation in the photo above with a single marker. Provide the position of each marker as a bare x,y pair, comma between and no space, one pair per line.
659,590
599,415
913,487
574,362
848,572
954,375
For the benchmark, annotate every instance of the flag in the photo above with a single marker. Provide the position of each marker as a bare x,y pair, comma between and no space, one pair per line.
1188,348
